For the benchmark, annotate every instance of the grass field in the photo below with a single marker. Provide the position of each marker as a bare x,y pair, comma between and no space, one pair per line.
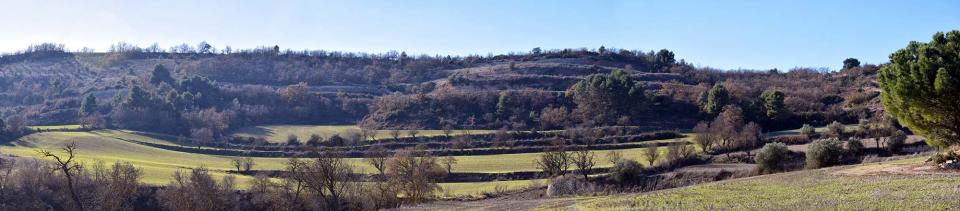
279,133
477,188
803,190
159,164
55,127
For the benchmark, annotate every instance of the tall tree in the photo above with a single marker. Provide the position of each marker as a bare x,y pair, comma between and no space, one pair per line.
161,74
88,105
773,104
921,88
717,98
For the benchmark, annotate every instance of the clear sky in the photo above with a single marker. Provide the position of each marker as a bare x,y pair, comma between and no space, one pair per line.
723,34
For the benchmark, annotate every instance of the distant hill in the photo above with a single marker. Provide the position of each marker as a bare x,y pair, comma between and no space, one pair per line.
391,90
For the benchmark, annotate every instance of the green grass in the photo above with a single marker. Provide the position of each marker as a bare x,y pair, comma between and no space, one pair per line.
159,164
804,190
279,133
55,127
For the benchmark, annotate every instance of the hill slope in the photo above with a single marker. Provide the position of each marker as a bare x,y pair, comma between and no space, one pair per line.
841,188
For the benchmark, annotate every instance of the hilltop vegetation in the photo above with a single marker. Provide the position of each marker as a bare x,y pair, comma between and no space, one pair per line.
390,129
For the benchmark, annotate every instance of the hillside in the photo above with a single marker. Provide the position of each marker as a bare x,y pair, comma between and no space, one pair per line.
889,185
396,91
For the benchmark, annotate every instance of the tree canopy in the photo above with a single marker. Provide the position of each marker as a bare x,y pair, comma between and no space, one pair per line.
717,97
605,97
921,88
773,104
161,74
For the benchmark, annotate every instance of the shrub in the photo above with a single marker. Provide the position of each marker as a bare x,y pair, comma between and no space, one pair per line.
836,130
823,153
791,139
808,131
292,140
854,147
624,171
896,142
569,185
314,140
771,157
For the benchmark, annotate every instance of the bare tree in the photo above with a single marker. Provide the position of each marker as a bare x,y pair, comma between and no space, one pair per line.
395,134
413,133
415,173
554,161
201,137
751,136
447,130
651,154
68,167
328,177
614,156
377,157
448,162
583,159
703,136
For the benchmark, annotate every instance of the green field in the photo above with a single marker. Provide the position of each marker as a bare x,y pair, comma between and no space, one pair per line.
159,164
279,133
55,127
804,190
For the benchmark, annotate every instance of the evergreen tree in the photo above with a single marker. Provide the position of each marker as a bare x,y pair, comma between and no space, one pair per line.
921,88
717,97
604,98
88,105
773,104
161,74
850,63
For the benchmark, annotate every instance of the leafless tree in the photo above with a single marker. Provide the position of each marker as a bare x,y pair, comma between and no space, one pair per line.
554,161
651,154
583,159
68,167
377,157
448,162
414,172
395,134
328,177
413,133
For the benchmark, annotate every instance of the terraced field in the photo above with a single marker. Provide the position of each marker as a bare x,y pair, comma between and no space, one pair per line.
55,127
159,164
279,133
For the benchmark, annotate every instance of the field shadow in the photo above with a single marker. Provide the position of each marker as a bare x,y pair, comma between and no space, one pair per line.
255,131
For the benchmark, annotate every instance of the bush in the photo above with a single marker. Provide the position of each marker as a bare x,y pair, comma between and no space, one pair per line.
854,147
314,140
791,139
836,130
896,142
292,140
570,185
624,171
771,157
824,153
808,131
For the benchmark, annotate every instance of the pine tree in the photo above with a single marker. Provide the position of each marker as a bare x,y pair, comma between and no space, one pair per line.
921,88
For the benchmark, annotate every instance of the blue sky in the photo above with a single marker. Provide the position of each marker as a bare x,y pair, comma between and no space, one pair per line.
723,34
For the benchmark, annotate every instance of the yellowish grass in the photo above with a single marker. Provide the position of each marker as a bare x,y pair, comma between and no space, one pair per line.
279,133
55,127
